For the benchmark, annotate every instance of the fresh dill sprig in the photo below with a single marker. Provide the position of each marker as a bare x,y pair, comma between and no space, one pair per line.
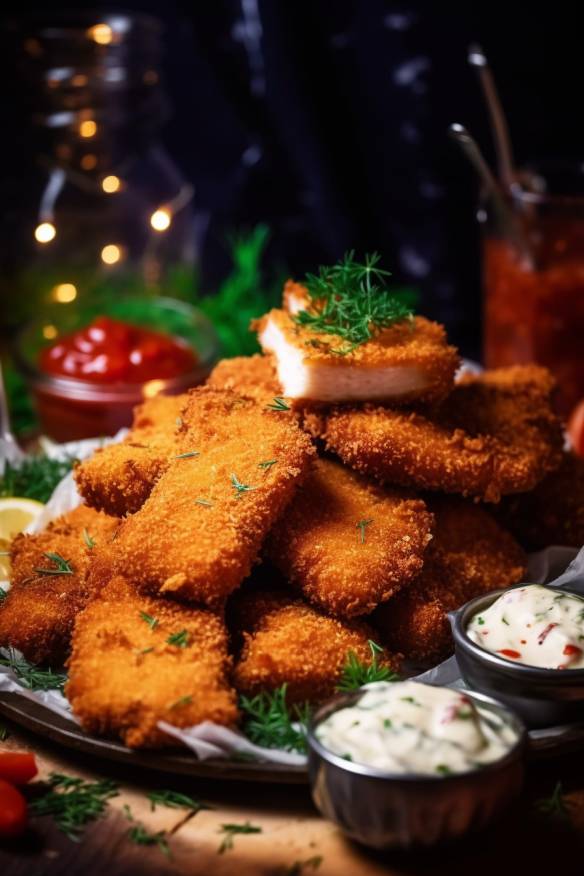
350,300
175,800
230,830
189,455
73,802
142,837
278,405
4,733
271,723
182,701
181,639
362,525
299,867
32,677
240,488
88,539
62,566
34,478
3,594
555,804
148,619
356,674
267,464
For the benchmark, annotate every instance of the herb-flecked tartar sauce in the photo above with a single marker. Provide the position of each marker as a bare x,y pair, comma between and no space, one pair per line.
535,625
409,727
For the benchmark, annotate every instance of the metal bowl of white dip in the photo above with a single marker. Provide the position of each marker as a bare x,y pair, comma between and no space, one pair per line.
417,789
543,695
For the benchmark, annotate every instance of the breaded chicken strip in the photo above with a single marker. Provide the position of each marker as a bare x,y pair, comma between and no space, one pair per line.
288,642
37,615
136,661
553,513
247,376
407,361
198,535
119,478
470,554
495,434
348,544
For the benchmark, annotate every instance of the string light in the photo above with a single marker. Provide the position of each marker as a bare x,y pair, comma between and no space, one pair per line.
88,129
64,293
161,219
45,232
111,254
111,184
49,332
101,33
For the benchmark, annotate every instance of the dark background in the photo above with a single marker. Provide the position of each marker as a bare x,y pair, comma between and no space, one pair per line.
328,120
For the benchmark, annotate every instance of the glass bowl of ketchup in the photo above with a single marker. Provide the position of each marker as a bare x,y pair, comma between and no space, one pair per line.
88,370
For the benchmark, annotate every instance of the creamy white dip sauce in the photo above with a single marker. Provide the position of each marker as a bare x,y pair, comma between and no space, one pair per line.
535,625
409,727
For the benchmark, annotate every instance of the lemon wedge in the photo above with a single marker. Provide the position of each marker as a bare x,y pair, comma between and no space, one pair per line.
16,514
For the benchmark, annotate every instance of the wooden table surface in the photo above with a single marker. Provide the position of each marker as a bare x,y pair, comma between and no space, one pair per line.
294,839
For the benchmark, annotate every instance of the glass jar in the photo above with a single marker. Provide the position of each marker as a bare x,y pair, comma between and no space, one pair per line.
103,206
533,275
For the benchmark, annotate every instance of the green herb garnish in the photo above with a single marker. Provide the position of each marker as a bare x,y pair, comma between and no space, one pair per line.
188,455
182,701
271,723
350,300
73,802
181,640
34,478
356,674
555,804
4,733
240,488
362,525
278,405
230,830
32,677
267,464
88,540
298,867
504,620
147,618
62,566
480,621
142,837
3,594
443,769
175,800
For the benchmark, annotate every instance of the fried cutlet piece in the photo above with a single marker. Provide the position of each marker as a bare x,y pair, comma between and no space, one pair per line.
552,513
37,615
495,434
285,641
119,478
348,544
470,554
198,535
247,376
125,673
407,361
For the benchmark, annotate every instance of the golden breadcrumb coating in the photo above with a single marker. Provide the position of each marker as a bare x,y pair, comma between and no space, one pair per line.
37,615
348,544
417,345
470,554
495,434
247,376
198,535
288,642
119,478
125,675
553,513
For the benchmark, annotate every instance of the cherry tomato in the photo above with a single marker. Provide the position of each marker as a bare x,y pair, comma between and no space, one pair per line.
12,810
17,767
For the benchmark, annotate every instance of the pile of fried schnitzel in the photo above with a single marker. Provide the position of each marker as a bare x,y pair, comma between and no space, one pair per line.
334,490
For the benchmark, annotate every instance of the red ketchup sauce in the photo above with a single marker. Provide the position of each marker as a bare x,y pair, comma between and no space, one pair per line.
110,351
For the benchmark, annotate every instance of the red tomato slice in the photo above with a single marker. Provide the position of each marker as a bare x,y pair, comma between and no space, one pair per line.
12,810
17,767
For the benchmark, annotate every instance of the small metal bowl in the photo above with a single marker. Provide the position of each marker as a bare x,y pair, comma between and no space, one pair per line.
393,810
543,697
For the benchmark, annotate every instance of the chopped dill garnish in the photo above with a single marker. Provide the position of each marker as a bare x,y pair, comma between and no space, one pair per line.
271,723
142,837
32,677
362,525
480,621
504,620
3,594
4,733
181,640
356,674
175,800
443,769
144,651
182,701
240,488
350,300
299,867
147,618
230,830
34,478
267,464
62,566
278,405
73,802
204,503
88,539
555,804
188,455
